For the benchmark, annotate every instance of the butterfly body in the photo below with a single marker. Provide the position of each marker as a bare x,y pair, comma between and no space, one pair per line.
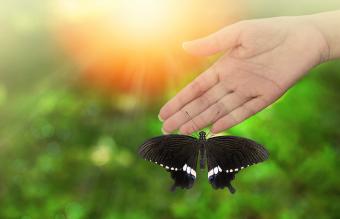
224,155
202,141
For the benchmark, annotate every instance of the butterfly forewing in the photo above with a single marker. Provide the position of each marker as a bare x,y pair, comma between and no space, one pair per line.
176,153
235,153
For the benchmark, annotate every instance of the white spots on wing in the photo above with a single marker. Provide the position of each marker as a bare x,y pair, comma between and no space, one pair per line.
185,167
167,167
188,170
216,170
193,172
210,173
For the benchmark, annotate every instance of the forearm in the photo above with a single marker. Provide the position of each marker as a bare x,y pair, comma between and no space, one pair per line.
329,25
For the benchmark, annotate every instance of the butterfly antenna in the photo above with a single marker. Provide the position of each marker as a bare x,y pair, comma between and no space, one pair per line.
195,125
209,130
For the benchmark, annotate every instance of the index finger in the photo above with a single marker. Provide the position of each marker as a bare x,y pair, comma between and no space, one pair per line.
193,90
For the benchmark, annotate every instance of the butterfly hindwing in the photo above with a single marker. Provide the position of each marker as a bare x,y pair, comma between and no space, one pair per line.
177,154
227,155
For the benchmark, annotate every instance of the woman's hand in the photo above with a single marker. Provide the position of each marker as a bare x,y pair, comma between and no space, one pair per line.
263,59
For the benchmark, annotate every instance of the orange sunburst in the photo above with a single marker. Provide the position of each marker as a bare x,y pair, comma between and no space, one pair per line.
135,46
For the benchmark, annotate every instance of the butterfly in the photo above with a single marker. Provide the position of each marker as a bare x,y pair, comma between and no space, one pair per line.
225,156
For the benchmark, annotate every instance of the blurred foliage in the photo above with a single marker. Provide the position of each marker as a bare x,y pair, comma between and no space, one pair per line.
70,152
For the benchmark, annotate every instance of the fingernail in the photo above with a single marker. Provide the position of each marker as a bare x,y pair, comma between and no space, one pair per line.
160,119
164,132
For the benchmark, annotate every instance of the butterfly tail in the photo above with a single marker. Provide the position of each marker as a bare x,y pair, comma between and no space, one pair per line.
232,190
173,188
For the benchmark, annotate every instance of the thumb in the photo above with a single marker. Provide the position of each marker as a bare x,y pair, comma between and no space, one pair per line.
221,40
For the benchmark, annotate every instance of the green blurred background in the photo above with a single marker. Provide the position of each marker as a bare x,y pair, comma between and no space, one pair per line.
68,150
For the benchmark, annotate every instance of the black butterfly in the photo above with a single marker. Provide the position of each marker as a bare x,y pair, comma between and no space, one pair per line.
225,155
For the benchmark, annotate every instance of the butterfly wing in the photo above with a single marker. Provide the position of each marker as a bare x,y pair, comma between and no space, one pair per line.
177,154
227,155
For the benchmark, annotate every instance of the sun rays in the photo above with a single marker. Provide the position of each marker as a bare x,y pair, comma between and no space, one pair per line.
134,47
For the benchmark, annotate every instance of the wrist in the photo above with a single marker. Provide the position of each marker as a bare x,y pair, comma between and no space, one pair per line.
323,43
327,24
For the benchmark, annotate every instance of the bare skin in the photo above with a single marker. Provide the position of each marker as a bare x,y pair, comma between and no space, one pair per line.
262,60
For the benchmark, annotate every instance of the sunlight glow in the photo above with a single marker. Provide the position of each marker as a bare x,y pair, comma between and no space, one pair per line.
134,46
144,16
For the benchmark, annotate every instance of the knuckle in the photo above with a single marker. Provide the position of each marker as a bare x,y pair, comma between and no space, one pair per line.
249,110
197,87
220,106
235,118
257,104
206,99
216,70
242,93
185,113
226,87
263,101
214,116
203,101
180,101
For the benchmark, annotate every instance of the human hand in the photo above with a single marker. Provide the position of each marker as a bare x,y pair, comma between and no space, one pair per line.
263,59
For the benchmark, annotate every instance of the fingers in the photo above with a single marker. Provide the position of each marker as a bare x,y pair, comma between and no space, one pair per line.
239,114
224,106
195,89
221,40
196,107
